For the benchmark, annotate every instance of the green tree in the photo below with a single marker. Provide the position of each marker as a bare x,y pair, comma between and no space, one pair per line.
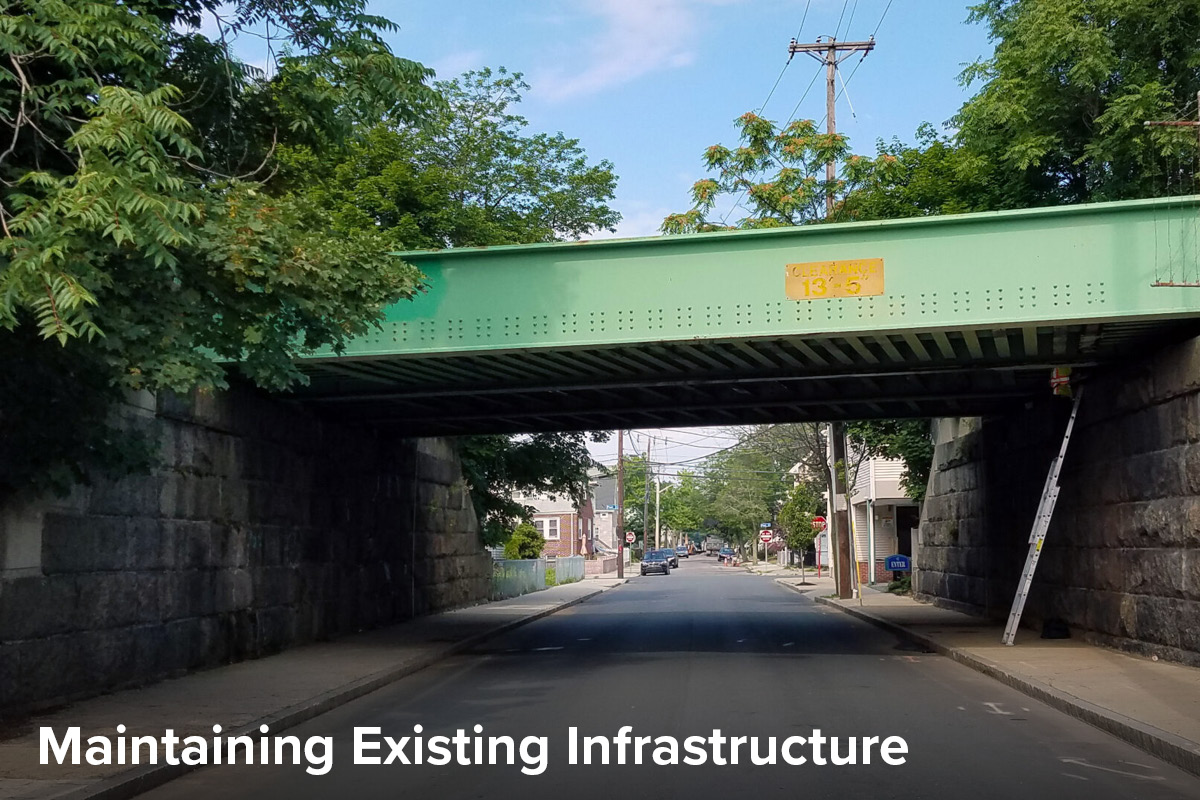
140,229
683,504
497,466
935,175
636,475
471,175
776,175
1060,110
745,487
909,440
796,516
525,542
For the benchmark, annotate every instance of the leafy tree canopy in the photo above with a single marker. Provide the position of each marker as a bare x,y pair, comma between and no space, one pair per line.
141,225
776,175
497,466
525,542
796,516
469,176
1060,110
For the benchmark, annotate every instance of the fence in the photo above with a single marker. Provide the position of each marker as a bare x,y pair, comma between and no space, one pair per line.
513,577
569,570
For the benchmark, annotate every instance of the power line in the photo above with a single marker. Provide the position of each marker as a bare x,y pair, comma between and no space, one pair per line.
881,18
837,28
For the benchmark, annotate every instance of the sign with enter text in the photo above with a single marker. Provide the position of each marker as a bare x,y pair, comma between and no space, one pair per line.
818,280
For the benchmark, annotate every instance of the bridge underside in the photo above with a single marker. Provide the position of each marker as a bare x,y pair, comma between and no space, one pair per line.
969,317
963,372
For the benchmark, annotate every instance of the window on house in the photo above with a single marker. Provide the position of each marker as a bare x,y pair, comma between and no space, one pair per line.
548,528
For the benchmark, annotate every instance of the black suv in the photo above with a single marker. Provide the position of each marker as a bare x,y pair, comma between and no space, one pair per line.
656,561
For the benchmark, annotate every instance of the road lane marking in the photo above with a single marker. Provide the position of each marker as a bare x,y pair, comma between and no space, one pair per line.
544,649
995,709
1082,762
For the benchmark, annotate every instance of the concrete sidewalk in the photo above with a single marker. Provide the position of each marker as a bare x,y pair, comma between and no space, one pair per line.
279,691
1154,705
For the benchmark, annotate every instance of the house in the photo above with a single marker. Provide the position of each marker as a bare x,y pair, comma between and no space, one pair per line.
604,503
884,521
568,529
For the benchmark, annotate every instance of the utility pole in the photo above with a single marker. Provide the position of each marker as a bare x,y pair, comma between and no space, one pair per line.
646,501
657,506
830,52
619,522
843,546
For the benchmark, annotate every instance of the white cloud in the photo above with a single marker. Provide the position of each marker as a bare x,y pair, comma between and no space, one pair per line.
634,38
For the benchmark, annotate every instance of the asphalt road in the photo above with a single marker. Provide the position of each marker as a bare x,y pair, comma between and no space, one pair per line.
704,648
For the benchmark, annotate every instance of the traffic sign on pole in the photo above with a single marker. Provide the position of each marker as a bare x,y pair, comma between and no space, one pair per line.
819,524
766,536
629,537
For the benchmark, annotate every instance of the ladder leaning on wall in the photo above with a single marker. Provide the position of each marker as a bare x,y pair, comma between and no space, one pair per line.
1041,523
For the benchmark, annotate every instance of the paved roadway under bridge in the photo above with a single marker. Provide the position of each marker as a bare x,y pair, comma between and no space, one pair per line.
711,647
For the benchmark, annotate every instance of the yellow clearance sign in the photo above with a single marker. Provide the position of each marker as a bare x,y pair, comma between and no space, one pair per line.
818,280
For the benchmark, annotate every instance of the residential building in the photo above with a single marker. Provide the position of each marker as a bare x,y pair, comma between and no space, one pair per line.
604,501
567,528
883,522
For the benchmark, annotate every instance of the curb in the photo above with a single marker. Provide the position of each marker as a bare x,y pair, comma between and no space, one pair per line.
1175,750
136,781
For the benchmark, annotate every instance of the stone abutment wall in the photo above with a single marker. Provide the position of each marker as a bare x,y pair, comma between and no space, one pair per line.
1121,562
264,527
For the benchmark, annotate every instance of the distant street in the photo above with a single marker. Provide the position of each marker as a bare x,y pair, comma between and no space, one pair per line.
713,647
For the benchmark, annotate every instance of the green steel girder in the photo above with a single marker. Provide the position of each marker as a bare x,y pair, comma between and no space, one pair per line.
976,308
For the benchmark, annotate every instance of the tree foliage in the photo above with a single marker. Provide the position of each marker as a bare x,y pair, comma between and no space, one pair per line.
745,486
684,507
525,542
909,440
141,228
1059,114
468,176
796,516
777,176
498,466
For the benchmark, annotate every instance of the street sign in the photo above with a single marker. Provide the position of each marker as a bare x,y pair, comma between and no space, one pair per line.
819,524
629,537
765,537
610,507
897,563
764,524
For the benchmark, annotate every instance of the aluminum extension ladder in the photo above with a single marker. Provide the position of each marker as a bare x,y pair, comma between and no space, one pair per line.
1041,523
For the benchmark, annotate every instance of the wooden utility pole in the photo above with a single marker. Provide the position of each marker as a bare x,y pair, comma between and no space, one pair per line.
646,501
843,547
830,52
619,522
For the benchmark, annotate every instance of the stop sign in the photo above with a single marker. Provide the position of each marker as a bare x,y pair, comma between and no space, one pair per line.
629,537
819,524
766,536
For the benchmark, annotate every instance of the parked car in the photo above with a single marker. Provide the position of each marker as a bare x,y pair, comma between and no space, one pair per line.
682,551
725,556
672,556
656,561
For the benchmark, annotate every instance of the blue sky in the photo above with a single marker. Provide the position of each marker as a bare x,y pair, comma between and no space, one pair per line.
648,84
